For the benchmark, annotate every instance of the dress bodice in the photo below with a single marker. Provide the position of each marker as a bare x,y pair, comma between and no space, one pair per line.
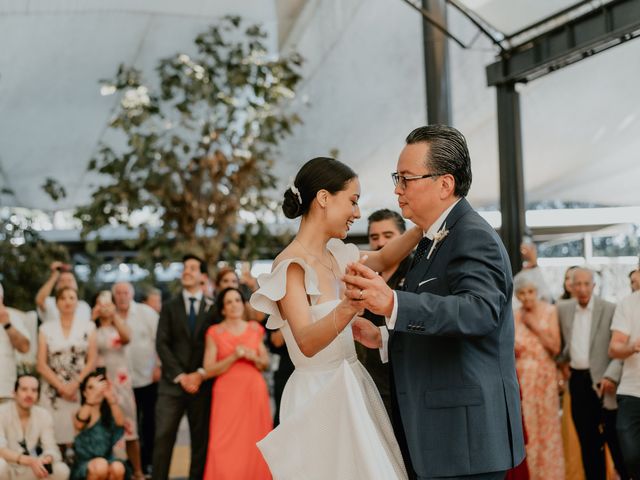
273,288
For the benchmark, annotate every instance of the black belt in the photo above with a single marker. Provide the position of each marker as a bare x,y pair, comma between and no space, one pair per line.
580,371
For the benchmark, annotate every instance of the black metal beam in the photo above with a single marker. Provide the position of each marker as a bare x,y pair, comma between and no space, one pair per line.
512,205
436,62
591,33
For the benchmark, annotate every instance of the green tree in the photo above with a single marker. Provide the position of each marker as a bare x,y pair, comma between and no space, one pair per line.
193,168
24,259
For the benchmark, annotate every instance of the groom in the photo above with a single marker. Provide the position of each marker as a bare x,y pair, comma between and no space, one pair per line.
450,332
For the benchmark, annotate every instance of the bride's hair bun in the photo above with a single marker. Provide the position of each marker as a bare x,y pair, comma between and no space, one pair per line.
290,205
320,173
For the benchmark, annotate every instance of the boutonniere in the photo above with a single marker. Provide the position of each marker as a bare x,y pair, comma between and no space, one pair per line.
437,238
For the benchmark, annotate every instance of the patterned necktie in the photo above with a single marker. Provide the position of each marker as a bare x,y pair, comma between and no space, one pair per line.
421,251
192,314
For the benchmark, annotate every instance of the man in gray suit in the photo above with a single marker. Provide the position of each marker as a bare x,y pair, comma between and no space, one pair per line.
180,343
451,330
585,325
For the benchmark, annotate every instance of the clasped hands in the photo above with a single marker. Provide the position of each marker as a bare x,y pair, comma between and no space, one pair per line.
365,289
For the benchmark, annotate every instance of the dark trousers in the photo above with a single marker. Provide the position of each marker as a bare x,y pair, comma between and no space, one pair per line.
146,406
398,430
595,426
628,427
169,412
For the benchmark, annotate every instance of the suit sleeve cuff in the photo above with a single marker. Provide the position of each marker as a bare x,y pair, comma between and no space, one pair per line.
177,379
391,320
384,349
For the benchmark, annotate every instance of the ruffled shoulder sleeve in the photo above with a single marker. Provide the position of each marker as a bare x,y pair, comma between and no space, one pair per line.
273,287
345,253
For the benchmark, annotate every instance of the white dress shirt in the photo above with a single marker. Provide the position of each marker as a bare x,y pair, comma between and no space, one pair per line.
141,350
581,337
391,320
626,320
187,303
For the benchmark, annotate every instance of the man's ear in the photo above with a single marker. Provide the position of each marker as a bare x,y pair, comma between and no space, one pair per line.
448,186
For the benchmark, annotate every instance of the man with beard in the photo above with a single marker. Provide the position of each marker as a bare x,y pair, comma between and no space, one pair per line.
27,442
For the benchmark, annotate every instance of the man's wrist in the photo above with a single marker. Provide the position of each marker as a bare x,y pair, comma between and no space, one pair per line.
388,311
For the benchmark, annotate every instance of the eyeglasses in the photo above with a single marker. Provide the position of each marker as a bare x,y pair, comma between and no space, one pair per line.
402,180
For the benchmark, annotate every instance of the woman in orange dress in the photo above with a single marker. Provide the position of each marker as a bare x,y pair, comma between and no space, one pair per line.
537,342
240,411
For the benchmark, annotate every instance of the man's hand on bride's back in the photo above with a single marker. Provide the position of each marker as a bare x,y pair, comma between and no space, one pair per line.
366,333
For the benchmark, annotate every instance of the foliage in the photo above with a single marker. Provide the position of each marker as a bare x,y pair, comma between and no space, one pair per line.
24,260
193,170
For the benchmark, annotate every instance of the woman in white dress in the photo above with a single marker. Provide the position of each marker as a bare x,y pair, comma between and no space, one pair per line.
333,421
66,355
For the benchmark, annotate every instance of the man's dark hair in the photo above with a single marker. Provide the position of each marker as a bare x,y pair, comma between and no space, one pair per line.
448,154
203,264
386,214
25,375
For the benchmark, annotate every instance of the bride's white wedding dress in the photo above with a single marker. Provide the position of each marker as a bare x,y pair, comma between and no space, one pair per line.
333,422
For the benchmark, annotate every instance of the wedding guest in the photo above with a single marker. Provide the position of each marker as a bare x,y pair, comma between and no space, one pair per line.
100,424
634,280
240,413
625,345
61,277
180,345
27,442
143,363
566,285
13,338
228,278
537,342
530,262
66,355
585,322
113,334
153,299
383,226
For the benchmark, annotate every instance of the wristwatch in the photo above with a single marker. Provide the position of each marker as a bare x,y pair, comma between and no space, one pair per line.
202,372
7,325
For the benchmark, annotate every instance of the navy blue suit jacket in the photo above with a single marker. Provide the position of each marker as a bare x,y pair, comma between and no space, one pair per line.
452,354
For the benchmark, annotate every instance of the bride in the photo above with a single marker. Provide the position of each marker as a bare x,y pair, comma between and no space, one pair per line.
333,421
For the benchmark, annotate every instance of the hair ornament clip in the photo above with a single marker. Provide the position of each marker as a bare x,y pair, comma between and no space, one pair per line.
295,191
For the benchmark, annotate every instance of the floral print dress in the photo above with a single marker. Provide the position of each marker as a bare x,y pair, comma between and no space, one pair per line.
540,400
66,356
112,356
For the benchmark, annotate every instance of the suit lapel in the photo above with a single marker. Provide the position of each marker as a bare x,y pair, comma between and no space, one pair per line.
181,314
596,318
421,269
571,316
205,305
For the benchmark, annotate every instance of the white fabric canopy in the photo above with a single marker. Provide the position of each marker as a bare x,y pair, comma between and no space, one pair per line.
363,92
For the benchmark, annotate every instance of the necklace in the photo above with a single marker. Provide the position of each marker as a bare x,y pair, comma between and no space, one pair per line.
330,267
